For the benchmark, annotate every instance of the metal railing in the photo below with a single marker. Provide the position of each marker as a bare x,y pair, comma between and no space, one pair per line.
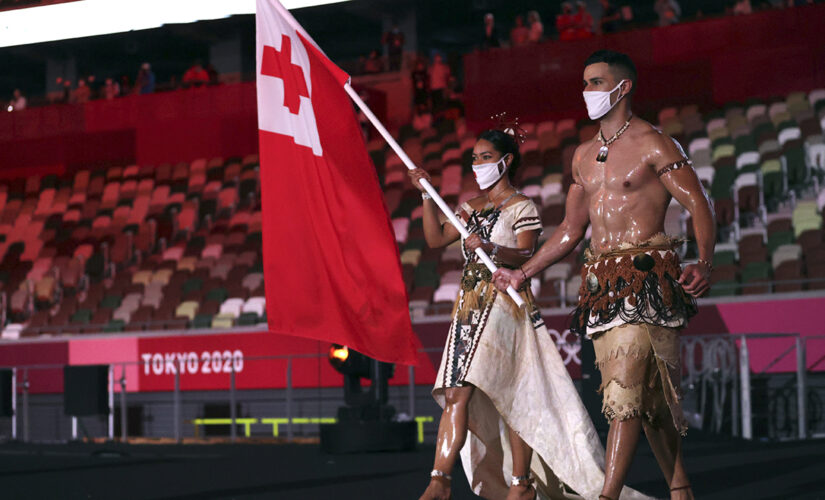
725,371
717,374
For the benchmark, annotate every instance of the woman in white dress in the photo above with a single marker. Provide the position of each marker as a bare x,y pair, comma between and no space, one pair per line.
501,376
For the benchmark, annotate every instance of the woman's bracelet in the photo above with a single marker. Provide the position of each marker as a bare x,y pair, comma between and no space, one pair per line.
523,273
707,264
426,196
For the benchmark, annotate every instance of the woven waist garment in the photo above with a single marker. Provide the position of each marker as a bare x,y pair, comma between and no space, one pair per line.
632,284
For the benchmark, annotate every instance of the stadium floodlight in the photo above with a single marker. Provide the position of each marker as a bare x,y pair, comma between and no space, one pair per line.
83,18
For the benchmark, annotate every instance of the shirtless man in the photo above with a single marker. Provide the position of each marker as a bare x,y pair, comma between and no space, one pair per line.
634,294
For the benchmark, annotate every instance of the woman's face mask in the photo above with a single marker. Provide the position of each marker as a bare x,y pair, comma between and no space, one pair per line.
598,101
488,174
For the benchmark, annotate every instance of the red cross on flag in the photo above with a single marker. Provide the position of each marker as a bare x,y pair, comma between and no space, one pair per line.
331,262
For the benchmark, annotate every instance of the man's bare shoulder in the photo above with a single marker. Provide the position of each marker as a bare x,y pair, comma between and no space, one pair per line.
579,152
657,145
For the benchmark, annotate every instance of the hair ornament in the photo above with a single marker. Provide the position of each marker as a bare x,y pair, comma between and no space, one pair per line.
510,127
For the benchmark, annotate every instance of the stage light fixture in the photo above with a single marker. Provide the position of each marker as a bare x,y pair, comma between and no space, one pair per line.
366,422
337,353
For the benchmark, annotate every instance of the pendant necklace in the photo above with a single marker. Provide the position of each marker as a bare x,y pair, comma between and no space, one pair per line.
602,156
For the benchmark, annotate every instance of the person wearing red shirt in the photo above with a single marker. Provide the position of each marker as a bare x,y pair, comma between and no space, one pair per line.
565,22
439,75
583,22
519,34
195,76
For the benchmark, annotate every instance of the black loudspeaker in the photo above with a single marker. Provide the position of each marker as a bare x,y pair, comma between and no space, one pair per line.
5,393
85,390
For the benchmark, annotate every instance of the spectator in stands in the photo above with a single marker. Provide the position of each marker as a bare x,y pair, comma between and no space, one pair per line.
394,41
373,63
67,90
81,93
111,89
94,87
439,76
213,74
145,80
519,34
583,21
611,17
421,83
742,7
125,85
668,11
18,101
565,22
195,76
535,26
490,40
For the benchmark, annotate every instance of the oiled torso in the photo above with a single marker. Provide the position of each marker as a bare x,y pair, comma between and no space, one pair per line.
627,203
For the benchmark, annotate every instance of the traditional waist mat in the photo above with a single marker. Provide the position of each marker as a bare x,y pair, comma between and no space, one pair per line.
644,277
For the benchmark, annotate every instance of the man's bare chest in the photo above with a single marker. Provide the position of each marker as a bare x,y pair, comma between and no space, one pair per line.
623,171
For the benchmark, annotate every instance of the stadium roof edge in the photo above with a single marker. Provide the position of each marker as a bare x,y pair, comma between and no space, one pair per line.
86,18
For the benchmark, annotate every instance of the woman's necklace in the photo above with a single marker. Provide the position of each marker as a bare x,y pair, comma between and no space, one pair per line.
602,156
498,196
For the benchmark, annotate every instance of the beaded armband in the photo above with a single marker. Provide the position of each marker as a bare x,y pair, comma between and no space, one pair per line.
674,166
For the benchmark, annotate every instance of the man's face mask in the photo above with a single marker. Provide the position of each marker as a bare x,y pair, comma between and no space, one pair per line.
598,101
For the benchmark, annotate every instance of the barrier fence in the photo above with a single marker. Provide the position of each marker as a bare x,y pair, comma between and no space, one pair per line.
725,391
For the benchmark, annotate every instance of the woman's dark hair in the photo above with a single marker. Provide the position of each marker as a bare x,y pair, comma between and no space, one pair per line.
504,144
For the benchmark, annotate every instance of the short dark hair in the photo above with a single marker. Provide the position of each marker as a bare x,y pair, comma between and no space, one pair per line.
620,63
504,144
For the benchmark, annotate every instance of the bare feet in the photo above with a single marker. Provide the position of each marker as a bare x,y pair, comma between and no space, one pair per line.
438,489
522,493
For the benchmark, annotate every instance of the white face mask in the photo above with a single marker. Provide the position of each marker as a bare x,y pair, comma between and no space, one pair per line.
598,102
487,173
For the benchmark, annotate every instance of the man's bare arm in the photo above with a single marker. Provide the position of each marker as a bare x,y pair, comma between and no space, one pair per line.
682,183
565,238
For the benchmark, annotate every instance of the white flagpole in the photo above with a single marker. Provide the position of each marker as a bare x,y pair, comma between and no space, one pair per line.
428,187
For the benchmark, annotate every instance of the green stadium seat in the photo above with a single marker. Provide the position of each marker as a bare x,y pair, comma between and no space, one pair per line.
202,321
81,316
192,284
111,302
115,325
778,239
248,319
